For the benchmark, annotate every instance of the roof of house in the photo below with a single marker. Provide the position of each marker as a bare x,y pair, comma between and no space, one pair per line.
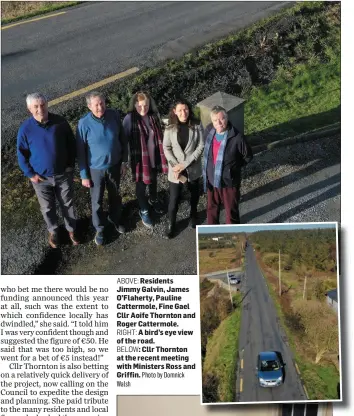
332,294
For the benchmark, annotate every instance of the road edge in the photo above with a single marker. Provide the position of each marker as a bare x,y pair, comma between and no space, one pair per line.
320,133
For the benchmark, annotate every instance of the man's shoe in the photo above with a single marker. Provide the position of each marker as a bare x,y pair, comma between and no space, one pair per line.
156,206
73,238
119,228
144,215
99,239
193,222
53,240
170,231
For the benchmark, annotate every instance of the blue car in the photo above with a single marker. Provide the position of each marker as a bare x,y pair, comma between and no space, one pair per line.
270,369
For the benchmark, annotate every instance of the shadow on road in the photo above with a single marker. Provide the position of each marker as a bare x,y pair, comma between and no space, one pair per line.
287,179
294,197
243,298
279,354
12,55
331,193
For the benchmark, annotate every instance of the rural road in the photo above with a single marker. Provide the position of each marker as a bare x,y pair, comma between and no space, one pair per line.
260,331
95,40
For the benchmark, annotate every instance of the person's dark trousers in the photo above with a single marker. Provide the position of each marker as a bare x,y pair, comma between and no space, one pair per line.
228,197
141,191
58,187
175,194
101,179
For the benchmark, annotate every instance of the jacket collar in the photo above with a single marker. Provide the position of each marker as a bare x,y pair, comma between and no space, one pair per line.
231,132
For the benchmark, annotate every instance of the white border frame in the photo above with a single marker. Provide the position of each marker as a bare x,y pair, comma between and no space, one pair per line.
335,223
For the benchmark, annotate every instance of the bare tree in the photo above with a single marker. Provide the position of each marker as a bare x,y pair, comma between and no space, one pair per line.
320,326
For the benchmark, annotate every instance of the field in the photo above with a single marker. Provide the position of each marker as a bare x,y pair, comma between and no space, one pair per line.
213,260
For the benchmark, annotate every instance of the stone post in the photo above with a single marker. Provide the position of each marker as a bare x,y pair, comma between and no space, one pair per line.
233,105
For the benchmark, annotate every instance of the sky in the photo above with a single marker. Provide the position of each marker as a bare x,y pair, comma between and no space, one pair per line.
217,229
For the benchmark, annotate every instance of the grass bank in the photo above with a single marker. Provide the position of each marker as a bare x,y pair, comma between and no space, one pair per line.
219,369
13,11
287,67
301,99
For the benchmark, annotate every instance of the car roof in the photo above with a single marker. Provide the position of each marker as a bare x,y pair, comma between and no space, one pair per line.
268,355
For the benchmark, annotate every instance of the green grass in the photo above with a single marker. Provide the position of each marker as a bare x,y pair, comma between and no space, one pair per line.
320,380
24,10
301,99
222,354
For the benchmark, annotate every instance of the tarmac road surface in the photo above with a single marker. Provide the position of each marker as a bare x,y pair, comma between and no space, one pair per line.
95,40
261,331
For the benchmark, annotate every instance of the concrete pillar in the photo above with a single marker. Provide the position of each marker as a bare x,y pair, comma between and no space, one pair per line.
233,105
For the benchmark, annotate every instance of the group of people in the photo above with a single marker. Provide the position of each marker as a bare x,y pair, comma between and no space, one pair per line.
105,146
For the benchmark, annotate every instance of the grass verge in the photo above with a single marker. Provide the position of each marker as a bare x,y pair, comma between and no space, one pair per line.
300,99
13,11
320,381
222,355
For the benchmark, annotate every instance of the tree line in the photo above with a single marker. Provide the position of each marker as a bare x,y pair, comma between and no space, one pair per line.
315,248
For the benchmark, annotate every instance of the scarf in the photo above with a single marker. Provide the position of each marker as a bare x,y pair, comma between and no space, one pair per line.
219,159
139,155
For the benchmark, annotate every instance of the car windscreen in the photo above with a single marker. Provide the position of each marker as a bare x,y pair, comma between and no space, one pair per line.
270,365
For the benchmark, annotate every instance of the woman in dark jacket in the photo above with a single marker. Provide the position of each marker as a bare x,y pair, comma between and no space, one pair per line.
183,146
143,130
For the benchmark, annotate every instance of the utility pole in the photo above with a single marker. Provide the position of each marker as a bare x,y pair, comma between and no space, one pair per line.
279,276
228,281
303,295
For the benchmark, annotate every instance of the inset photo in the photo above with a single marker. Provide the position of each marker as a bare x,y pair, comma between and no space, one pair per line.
269,310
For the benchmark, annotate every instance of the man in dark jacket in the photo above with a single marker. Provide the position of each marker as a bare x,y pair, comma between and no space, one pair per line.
46,155
225,152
